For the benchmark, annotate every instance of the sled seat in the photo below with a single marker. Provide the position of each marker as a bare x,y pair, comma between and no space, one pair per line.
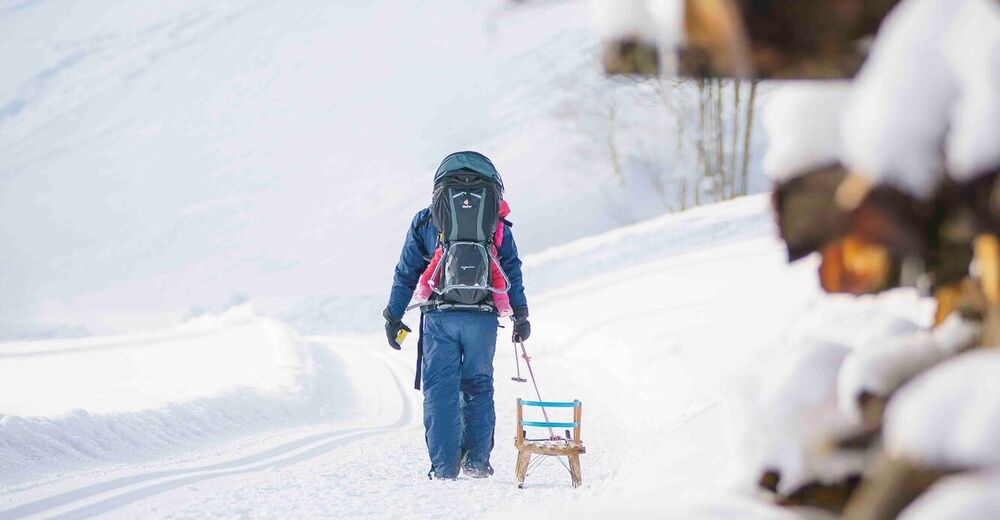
553,445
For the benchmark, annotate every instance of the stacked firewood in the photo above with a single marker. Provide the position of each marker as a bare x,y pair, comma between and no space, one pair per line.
790,39
910,196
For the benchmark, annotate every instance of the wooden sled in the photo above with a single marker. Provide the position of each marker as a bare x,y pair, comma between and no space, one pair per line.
554,446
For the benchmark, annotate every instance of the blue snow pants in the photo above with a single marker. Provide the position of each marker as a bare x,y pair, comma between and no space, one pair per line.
457,367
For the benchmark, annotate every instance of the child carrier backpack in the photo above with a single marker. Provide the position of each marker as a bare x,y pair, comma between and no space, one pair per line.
465,209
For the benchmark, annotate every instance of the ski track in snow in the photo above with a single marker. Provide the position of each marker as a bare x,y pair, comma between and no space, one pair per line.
109,495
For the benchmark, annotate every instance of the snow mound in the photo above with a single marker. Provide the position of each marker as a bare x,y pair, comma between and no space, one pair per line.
802,121
974,51
785,412
106,397
931,82
789,412
950,415
881,366
966,497
856,322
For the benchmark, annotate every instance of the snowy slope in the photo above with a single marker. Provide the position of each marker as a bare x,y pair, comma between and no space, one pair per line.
629,327
162,160
174,158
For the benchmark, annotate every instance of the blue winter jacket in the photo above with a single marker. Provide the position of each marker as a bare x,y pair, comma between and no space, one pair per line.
421,241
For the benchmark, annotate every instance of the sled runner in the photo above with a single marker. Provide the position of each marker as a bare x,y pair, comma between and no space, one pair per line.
552,446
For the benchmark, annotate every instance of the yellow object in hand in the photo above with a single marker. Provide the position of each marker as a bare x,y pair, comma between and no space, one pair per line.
400,336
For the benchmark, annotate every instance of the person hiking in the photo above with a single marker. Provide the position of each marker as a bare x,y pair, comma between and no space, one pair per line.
459,321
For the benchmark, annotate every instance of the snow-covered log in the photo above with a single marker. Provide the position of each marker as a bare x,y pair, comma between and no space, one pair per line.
794,414
637,34
950,416
807,214
872,373
802,120
785,415
739,38
947,420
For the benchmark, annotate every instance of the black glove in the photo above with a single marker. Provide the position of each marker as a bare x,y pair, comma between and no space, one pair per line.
392,327
522,327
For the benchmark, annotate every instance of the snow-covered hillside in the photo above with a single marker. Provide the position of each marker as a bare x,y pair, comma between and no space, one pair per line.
160,161
163,160
239,415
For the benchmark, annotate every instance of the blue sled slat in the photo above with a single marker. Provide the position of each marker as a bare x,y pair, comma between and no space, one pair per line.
550,404
549,424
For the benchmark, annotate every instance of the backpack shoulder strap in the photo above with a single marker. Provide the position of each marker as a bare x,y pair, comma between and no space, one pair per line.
506,223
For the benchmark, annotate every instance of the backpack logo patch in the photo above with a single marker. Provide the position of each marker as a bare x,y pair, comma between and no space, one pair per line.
466,204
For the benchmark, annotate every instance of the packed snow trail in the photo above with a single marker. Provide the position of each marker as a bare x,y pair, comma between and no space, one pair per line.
645,341
389,408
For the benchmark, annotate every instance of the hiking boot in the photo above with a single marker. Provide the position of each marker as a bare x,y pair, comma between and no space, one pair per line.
477,469
435,476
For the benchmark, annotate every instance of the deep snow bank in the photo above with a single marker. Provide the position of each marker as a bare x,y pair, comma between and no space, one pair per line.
100,398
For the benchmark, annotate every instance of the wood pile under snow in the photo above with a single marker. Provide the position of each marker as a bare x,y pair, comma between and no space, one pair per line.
892,178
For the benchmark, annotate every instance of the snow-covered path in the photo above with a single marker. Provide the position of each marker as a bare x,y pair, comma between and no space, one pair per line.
345,469
386,408
636,337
